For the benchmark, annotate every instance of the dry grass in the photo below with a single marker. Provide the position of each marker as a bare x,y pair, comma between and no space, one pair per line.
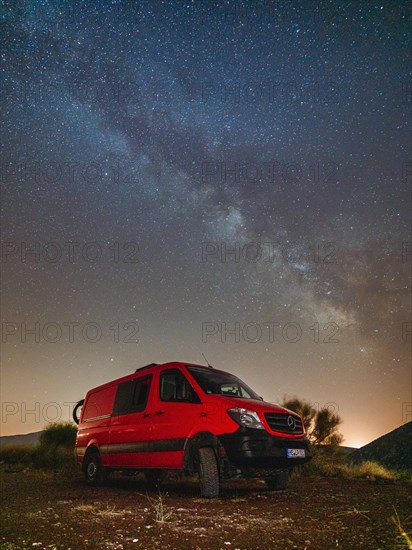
110,512
366,470
107,512
404,535
162,515
84,508
336,465
16,454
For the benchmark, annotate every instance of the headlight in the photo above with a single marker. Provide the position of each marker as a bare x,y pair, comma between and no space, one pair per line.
248,419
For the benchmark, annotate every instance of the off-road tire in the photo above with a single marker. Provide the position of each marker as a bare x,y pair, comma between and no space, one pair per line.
208,473
94,472
277,482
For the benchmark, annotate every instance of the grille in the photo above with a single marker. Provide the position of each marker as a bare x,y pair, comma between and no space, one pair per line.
284,423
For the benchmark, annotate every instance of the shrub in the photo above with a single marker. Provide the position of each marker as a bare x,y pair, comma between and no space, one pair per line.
59,434
16,454
55,447
54,450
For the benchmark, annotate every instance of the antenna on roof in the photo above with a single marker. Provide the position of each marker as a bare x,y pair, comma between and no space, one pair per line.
208,364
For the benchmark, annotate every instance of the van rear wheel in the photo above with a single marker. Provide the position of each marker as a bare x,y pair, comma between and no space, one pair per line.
208,473
94,471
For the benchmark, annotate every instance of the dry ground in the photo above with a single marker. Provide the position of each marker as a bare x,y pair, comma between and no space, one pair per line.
46,510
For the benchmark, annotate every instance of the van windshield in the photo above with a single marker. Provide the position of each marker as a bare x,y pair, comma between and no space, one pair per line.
218,382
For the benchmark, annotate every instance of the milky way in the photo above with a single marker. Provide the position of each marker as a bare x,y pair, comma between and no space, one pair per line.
222,178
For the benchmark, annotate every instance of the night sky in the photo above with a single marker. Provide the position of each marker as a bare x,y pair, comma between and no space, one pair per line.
223,178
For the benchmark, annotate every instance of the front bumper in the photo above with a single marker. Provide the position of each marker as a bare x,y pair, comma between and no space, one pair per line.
258,449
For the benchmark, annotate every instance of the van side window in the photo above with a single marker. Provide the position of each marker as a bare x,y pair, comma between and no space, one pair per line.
175,387
132,396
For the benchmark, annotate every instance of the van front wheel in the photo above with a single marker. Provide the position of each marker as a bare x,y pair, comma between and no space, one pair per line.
208,473
94,472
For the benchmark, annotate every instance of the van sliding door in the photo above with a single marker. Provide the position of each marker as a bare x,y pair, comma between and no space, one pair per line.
130,444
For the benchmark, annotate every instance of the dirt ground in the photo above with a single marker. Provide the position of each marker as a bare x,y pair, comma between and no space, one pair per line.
46,510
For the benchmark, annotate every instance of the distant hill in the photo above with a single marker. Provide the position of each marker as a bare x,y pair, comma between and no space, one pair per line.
347,450
20,439
393,450
330,450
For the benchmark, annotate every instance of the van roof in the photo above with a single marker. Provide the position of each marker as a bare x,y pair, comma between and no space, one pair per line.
149,366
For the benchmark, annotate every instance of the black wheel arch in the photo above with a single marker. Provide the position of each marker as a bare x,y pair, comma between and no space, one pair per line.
91,449
192,446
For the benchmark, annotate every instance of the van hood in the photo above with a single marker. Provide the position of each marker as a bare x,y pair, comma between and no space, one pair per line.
255,405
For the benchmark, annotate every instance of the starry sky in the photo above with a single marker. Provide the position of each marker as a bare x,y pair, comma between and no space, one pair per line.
225,178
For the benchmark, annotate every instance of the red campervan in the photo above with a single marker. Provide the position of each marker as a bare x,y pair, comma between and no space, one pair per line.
191,418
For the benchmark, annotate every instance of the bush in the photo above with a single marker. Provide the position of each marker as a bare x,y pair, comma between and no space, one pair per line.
56,446
59,434
54,450
16,454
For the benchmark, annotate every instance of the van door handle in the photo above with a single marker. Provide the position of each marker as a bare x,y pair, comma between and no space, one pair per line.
203,414
159,412
146,415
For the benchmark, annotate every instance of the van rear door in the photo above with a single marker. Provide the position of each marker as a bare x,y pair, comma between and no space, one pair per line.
94,425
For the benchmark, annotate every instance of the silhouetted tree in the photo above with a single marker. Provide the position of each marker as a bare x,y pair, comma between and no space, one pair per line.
321,425
325,428
302,408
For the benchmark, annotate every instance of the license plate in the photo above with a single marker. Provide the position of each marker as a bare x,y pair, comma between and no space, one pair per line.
295,453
